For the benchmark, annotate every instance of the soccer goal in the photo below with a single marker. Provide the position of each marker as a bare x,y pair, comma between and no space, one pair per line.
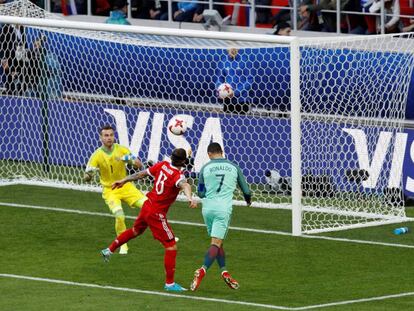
317,125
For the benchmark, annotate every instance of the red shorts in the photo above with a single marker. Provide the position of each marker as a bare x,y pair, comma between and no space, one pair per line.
157,222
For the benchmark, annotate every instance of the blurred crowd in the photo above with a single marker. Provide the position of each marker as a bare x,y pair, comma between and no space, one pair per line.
29,70
356,16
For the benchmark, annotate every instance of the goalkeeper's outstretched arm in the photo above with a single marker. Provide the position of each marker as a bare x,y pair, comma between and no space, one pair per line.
132,160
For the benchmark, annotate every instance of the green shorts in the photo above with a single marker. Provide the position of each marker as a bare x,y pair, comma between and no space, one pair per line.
217,222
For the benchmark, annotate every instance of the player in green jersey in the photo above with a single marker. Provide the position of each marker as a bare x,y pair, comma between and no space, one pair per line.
217,181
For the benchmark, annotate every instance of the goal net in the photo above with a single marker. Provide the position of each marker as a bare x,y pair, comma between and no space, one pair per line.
354,95
61,84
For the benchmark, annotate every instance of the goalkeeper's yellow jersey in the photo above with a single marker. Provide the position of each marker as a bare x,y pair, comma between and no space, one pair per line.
110,169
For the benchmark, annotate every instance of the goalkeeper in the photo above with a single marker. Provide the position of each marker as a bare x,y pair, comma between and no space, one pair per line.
110,161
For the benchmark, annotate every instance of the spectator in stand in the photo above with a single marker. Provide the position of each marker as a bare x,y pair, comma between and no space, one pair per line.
55,81
316,20
354,23
42,72
283,29
182,11
369,20
118,15
392,18
263,14
198,14
233,70
282,16
56,6
35,70
308,19
13,55
407,9
39,3
141,8
158,10
101,7
409,27
81,6
65,7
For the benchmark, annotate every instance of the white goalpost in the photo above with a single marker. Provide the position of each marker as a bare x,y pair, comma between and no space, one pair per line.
323,132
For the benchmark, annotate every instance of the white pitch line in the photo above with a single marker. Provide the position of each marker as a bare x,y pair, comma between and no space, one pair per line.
347,302
74,211
357,241
243,303
146,292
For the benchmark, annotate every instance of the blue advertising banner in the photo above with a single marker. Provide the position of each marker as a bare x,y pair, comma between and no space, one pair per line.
333,79
255,143
21,129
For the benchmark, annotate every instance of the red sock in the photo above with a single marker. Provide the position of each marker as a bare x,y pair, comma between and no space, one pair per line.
122,239
169,264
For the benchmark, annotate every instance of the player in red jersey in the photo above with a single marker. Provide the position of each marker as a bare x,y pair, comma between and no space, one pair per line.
168,182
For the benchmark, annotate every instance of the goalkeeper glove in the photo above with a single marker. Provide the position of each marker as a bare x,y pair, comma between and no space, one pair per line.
87,177
128,158
89,173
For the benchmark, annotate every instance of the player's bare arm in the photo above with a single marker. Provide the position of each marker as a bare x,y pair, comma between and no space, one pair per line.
136,176
138,164
186,188
241,180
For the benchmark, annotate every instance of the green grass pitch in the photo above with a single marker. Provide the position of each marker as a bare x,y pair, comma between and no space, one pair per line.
275,271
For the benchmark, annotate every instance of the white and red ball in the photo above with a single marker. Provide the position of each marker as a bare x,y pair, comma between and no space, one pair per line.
177,126
224,90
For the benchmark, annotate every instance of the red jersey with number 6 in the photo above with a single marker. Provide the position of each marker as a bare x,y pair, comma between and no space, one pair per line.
166,188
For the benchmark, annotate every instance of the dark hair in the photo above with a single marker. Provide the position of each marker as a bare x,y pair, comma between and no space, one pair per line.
106,127
119,4
178,157
280,26
214,148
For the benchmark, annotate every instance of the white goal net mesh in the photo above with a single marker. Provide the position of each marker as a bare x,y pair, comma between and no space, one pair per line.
59,86
353,97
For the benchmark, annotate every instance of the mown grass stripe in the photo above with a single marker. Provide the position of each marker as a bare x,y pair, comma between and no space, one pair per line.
74,211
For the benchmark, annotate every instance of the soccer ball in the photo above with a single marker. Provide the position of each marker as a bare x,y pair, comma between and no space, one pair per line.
177,126
224,90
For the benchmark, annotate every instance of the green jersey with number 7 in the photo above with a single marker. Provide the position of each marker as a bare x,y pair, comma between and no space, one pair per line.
217,181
